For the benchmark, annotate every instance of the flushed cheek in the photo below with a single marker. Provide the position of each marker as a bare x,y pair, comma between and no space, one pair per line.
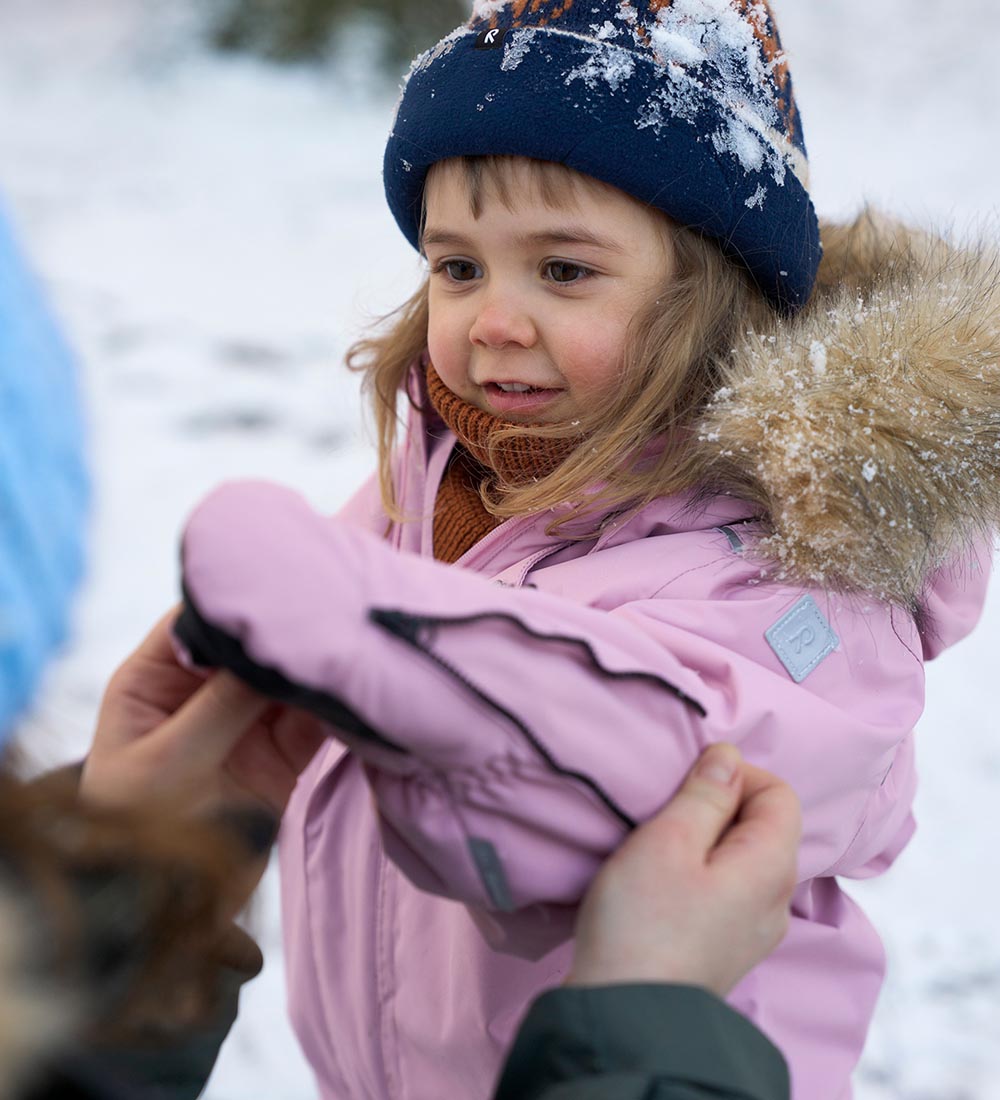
591,361
449,352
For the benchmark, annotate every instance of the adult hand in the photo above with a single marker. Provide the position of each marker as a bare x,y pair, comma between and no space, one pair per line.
699,894
169,735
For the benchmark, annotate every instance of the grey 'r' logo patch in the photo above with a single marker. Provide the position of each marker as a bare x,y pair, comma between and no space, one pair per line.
802,639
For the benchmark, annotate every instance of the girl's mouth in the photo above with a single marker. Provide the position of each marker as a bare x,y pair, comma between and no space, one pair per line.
517,397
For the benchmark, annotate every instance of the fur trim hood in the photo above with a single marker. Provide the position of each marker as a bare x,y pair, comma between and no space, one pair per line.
868,428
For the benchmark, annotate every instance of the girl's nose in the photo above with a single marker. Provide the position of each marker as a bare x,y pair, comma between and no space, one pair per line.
501,323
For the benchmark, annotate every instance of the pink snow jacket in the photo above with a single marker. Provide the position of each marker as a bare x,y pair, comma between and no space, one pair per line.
500,724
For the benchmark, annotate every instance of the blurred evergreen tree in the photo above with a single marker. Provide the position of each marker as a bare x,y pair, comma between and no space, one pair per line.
304,30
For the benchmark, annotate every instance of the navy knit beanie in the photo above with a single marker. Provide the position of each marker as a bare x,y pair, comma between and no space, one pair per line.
686,105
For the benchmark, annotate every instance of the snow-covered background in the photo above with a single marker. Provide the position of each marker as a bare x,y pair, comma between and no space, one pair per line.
213,235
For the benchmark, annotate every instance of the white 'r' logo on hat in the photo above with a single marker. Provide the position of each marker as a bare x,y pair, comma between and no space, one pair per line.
491,40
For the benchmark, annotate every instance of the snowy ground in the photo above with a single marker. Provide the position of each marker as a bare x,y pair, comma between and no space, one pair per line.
213,235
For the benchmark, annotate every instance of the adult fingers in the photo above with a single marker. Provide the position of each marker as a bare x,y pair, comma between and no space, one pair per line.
151,676
259,772
297,736
201,735
767,831
693,820
266,764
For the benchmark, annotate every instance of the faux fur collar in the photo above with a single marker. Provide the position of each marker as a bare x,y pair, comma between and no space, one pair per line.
868,428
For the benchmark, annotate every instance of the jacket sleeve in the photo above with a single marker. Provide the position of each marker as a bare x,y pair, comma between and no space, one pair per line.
496,722
954,599
640,1042
174,1066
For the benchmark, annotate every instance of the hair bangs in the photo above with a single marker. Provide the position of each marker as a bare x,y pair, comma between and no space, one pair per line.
507,179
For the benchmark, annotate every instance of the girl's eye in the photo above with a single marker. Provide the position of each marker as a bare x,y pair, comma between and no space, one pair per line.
561,271
459,271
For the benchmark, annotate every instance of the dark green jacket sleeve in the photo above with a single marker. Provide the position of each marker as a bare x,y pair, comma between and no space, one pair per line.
171,1067
640,1042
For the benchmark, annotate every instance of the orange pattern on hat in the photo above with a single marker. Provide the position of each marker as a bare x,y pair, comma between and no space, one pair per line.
519,7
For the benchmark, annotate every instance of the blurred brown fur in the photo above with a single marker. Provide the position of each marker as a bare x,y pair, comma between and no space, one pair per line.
114,923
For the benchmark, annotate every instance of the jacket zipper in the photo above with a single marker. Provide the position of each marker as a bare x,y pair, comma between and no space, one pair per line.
415,631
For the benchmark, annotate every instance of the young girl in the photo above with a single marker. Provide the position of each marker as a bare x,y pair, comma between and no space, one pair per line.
659,487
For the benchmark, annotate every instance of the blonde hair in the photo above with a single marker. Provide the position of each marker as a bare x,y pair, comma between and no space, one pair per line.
672,360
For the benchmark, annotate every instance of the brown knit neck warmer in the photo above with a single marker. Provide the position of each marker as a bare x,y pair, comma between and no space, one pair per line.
460,517
517,460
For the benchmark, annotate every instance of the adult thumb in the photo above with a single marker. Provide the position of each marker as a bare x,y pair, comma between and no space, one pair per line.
706,802
207,728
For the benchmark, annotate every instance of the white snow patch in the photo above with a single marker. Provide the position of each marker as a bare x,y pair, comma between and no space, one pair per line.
607,31
737,139
869,471
713,56
486,9
756,200
668,45
516,48
612,65
817,356
441,49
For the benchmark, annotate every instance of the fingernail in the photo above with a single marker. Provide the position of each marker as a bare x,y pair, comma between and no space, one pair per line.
719,765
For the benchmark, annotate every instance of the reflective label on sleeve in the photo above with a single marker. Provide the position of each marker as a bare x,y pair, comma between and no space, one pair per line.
802,639
492,874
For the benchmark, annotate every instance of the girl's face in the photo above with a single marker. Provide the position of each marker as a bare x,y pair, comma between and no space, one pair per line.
530,306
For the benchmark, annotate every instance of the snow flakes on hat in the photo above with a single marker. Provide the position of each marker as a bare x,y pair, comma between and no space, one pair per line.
701,85
718,57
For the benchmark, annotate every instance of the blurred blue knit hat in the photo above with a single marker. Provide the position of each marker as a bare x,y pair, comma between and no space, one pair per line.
43,485
686,105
